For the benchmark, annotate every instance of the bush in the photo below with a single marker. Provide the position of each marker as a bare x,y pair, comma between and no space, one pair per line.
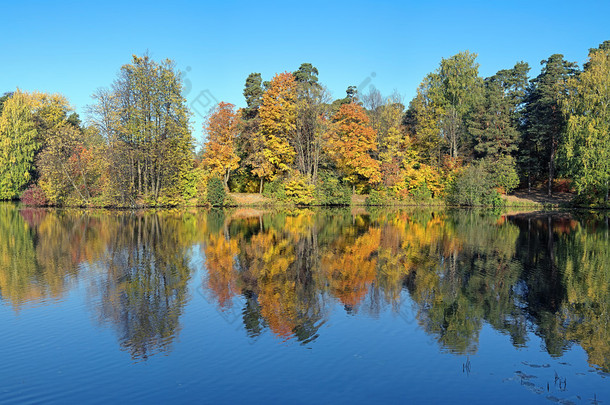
503,173
216,193
292,190
34,197
474,186
422,194
377,197
299,191
275,190
330,190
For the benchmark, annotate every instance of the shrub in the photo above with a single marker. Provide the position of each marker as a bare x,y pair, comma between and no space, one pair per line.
474,186
422,194
299,191
275,190
34,197
216,193
294,189
503,173
330,191
377,197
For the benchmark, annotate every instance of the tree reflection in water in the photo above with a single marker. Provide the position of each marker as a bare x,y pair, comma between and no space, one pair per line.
286,271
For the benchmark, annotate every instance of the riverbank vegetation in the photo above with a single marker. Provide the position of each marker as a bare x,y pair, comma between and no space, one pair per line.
462,140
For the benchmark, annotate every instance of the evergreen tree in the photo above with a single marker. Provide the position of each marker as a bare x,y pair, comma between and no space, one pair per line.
253,92
543,119
495,124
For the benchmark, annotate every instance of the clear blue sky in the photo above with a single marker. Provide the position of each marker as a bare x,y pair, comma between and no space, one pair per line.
74,48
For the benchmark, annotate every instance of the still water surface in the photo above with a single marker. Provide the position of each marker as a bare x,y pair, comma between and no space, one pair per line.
309,306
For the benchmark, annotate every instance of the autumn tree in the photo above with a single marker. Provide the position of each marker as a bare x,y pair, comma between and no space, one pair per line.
274,153
587,143
222,128
18,145
350,142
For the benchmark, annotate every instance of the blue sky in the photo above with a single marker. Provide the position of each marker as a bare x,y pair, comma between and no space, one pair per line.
74,48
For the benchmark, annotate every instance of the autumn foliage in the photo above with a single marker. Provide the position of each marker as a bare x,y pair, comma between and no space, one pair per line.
350,142
222,129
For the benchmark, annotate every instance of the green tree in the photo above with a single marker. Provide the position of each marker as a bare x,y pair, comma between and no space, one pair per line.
587,142
422,123
146,124
311,108
18,145
457,88
495,123
253,92
543,119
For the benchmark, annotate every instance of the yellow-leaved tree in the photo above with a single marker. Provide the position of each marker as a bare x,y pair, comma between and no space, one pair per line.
349,143
277,125
222,128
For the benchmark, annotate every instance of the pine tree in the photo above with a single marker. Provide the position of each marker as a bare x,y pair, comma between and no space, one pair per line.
543,119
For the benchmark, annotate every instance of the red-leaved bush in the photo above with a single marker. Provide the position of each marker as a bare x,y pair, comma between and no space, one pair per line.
34,197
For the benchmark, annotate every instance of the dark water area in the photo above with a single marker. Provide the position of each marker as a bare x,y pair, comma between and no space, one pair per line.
307,306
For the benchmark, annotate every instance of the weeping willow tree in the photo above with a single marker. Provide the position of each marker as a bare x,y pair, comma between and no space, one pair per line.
18,145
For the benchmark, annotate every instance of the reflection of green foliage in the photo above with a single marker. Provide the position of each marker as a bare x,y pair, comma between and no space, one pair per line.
584,257
145,290
472,282
18,267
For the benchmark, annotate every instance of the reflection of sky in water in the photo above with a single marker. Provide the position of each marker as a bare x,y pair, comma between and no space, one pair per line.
383,345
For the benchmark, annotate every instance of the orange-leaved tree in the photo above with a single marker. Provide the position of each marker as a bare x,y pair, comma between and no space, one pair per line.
220,148
277,125
349,143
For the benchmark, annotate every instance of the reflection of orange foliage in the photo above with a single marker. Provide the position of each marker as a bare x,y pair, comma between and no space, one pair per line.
222,277
277,301
564,226
270,255
351,269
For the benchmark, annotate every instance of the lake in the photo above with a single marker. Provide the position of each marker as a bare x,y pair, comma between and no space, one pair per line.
303,306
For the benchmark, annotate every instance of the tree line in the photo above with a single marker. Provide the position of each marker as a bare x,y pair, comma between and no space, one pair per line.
462,138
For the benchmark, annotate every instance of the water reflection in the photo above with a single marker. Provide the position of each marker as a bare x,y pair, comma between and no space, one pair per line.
143,288
285,272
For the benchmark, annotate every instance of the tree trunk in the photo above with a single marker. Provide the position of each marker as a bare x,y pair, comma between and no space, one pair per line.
260,190
551,169
139,177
